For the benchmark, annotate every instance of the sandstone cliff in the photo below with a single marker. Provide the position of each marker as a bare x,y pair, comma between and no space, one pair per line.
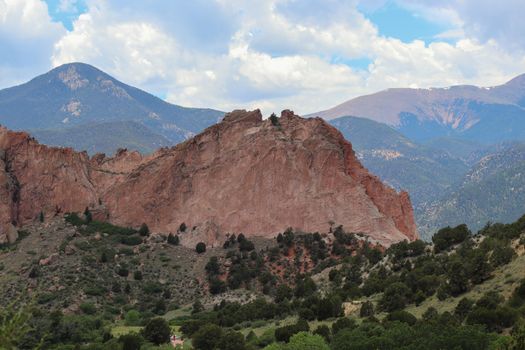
242,175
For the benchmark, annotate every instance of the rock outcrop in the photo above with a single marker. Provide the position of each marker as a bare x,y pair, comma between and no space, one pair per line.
244,174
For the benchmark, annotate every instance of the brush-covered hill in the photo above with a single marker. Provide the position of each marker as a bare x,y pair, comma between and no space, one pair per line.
492,190
94,285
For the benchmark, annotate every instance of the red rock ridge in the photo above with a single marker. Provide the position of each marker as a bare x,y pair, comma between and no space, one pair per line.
241,175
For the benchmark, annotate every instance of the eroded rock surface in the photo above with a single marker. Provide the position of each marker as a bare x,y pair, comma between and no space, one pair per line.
242,175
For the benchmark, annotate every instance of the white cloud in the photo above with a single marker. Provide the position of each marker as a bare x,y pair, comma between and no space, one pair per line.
271,54
68,6
27,36
483,20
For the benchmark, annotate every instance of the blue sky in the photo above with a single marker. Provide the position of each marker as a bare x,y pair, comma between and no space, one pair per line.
66,12
392,20
307,55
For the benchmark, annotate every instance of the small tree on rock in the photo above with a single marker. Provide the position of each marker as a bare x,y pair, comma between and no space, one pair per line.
88,216
274,120
144,230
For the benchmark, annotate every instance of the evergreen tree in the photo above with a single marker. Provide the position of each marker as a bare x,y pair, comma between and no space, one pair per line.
88,216
157,331
274,120
173,239
144,230
200,247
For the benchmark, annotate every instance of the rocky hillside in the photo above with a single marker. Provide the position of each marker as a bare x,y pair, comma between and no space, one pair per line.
485,115
492,190
244,174
79,94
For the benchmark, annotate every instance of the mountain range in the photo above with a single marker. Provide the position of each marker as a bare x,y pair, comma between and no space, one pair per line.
78,96
493,188
429,142
478,114
435,142
423,171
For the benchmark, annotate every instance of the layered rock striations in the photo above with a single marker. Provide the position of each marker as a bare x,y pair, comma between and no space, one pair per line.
244,174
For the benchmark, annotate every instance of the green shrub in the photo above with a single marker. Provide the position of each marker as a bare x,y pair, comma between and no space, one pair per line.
131,240
88,216
395,297
367,309
494,319
343,323
137,275
200,247
207,337
35,272
502,255
126,251
131,341
402,316
157,331
152,288
274,119
144,230
45,298
173,239
324,331
83,245
95,290
88,308
74,219
448,236
122,271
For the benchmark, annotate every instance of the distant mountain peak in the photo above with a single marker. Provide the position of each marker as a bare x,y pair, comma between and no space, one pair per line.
518,81
424,114
81,67
72,79
77,93
77,75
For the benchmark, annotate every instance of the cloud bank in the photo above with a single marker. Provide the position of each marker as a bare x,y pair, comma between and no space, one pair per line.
270,54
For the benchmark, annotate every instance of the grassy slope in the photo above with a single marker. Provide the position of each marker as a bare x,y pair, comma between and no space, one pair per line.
505,279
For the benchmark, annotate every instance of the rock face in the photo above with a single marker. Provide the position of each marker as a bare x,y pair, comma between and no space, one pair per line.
242,175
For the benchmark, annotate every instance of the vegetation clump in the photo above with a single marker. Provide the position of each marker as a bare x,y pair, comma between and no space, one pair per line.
200,247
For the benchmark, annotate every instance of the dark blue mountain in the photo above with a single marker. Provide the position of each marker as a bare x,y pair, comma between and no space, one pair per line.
79,94
485,115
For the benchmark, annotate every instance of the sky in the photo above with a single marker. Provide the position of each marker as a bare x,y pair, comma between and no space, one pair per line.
305,55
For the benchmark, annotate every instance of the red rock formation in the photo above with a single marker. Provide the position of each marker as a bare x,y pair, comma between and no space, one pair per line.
241,175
